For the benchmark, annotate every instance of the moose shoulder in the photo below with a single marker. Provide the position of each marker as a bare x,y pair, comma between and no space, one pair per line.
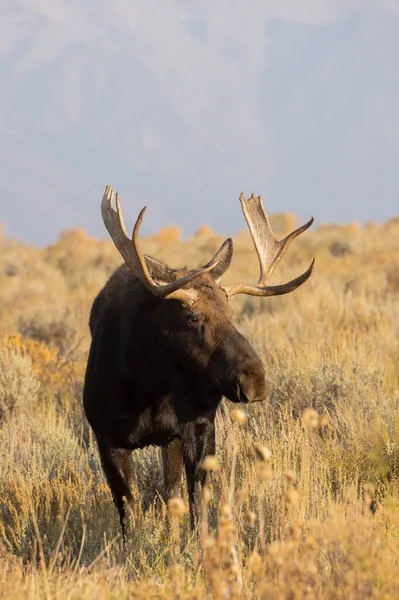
164,352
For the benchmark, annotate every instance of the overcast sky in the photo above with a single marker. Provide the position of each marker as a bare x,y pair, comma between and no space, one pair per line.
182,105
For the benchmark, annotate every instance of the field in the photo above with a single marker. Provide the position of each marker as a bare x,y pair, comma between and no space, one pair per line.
306,501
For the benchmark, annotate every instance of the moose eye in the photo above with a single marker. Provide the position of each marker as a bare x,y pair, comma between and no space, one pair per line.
192,319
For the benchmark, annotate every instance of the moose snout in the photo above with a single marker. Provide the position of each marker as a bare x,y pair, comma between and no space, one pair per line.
251,384
240,376
251,387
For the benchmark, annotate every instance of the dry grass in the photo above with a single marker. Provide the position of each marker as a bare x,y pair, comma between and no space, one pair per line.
306,502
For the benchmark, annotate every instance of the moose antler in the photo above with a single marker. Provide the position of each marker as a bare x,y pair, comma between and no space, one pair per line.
269,251
130,250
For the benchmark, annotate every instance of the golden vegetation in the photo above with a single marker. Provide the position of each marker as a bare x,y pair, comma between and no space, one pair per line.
169,235
302,498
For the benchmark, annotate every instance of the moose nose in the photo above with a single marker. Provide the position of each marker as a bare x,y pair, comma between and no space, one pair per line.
251,383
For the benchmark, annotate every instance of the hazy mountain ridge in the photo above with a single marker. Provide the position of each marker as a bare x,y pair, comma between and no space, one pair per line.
183,108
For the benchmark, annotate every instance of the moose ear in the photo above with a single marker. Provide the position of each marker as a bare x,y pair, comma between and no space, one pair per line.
159,271
223,256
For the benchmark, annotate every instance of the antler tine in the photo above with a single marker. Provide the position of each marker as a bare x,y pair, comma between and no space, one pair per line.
131,252
269,251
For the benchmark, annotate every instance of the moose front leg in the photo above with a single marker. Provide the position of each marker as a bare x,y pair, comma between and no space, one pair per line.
117,467
198,442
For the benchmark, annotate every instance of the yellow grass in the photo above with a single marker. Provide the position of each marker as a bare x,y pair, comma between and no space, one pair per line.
306,501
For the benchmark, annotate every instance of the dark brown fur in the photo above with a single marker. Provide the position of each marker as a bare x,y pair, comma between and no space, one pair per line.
156,374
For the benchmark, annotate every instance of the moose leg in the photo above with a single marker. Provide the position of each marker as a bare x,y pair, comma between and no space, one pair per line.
172,468
117,467
201,442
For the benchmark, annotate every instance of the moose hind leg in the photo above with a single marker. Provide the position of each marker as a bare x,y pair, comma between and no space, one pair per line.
172,469
126,466
117,467
202,443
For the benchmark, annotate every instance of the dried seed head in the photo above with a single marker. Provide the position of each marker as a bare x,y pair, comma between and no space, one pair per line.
210,463
239,415
310,418
255,562
290,476
263,470
226,527
311,568
368,487
276,552
309,542
295,533
324,421
262,453
176,507
225,511
209,542
241,495
250,517
292,497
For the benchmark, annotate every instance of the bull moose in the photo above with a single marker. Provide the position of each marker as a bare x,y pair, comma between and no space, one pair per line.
164,351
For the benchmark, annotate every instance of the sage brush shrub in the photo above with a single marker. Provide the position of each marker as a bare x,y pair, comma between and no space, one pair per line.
18,382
